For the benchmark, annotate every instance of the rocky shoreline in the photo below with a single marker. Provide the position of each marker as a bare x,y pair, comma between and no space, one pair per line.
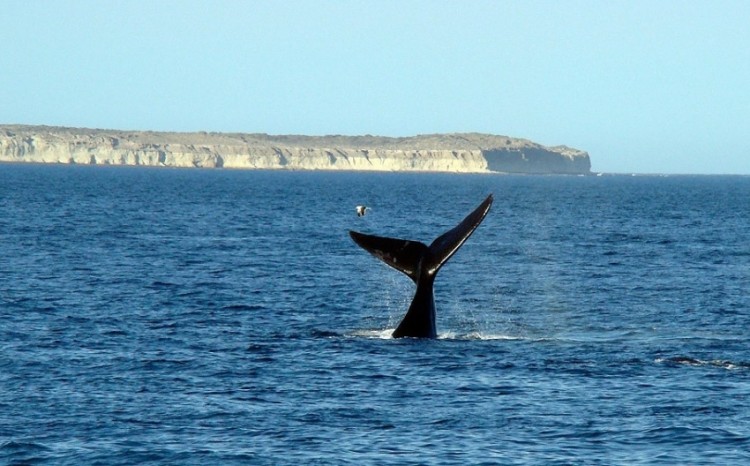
455,152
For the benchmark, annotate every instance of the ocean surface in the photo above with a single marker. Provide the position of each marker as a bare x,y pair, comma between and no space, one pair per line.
167,316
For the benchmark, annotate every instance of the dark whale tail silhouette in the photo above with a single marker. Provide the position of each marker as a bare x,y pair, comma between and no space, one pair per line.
421,263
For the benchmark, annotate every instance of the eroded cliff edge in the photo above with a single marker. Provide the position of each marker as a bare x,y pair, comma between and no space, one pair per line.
460,153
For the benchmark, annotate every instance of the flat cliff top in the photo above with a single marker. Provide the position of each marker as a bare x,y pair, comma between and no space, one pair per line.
449,141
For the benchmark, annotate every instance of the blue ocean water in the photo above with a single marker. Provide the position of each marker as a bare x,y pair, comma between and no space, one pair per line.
160,316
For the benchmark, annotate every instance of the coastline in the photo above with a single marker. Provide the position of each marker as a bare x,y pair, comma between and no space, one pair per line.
451,153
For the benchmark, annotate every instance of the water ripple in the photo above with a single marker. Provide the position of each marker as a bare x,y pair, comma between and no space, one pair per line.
189,317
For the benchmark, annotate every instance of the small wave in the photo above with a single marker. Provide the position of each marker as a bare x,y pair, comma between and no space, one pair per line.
387,334
316,333
688,361
688,435
159,285
243,307
161,363
259,348
27,447
22,452
478,336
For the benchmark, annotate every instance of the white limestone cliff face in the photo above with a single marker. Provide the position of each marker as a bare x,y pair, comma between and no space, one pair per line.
459,153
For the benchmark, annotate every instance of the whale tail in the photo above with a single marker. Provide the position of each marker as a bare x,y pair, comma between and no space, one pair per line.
406,255
421,263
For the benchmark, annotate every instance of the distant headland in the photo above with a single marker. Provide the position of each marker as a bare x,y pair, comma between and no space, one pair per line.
455,152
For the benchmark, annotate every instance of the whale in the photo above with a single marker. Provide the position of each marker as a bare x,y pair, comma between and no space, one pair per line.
421,264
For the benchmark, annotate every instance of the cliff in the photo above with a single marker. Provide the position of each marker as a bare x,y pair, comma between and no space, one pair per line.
461,153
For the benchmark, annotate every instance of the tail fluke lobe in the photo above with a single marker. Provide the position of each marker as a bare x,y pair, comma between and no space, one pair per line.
403,255
449,242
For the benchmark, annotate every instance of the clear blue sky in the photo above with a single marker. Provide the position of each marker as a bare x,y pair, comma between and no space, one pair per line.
644,86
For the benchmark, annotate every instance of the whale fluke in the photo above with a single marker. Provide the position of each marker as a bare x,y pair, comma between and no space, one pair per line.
421,263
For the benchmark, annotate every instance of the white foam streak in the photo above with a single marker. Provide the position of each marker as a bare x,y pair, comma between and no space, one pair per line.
387,334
